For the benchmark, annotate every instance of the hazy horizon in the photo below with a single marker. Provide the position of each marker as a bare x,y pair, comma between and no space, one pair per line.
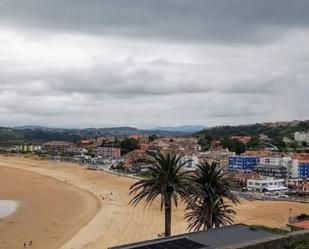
145,127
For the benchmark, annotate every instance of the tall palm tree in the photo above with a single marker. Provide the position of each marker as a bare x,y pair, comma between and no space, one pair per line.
223,214
165,181
206,201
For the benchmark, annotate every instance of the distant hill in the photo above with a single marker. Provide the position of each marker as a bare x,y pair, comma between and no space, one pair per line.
30,127
124,131
40,134
183,128
13,136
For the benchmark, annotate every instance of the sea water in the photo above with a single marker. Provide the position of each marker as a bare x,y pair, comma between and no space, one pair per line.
7,207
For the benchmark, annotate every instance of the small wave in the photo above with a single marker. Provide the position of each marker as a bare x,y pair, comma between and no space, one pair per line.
7,207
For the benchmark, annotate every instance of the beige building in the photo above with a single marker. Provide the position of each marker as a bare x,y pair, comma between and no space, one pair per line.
219,157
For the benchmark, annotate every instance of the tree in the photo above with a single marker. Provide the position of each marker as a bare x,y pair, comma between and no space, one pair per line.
278,141
205,203
152,138
254,142
205,141
128,144
165,181
240,147
234,145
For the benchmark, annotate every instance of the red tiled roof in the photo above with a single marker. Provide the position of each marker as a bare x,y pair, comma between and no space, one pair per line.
84,141
301,156
301,224
260,153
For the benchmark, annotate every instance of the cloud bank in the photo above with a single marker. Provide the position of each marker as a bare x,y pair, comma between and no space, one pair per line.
153,63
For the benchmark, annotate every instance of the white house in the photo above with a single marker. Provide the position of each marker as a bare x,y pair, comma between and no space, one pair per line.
267,184
301,136
191,161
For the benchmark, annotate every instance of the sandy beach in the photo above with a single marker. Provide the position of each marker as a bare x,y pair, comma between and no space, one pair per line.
67,201
49,212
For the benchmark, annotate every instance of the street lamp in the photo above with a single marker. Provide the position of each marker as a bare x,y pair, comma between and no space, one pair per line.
290,218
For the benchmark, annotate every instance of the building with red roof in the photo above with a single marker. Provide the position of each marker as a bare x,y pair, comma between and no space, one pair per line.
301,156
134,156
58,145
84,143
300,225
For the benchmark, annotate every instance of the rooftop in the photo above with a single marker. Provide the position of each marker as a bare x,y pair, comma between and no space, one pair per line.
209,239
260,153
301,224
58,143
266,179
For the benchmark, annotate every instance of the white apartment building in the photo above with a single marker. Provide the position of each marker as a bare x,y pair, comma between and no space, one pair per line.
278,161
287,162
267,184
301,137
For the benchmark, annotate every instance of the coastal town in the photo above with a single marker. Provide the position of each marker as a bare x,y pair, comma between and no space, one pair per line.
154,124
273,174
258,177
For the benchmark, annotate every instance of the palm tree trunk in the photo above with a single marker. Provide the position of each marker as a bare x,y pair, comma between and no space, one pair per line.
209,218
168,215
217,225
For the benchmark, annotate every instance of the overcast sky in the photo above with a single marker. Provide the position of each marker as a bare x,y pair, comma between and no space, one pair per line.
146,63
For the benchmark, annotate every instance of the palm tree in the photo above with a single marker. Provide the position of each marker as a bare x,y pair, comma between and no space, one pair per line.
165,181
223,214
205,204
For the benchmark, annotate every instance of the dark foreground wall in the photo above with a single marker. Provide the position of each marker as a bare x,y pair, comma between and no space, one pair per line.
295,240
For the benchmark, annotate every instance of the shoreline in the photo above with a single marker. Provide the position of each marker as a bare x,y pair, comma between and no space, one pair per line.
43,215
118,223
8,207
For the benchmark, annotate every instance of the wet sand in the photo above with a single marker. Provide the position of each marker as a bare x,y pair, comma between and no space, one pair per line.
117,223
7,207
49,212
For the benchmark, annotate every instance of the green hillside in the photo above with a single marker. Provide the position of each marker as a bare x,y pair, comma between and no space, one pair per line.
276,132
39,134
10,136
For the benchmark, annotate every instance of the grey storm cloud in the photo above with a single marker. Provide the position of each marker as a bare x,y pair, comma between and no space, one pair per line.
134,80
79,63
196,20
